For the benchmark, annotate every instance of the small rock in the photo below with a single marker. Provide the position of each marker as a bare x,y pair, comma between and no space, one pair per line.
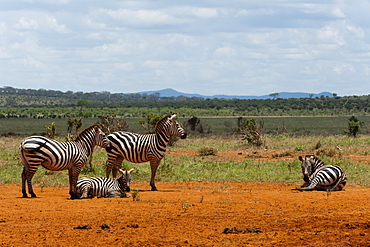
83,227
133,226
105,226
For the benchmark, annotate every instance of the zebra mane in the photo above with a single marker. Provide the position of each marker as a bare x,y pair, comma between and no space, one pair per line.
161,122
87,130
317,162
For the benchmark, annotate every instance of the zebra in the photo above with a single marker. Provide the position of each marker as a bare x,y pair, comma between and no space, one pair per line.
57,156
89,187
139,148
318,176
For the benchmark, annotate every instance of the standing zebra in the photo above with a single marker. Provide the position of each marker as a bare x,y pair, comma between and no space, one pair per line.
318,176
57,156
105,187
138,148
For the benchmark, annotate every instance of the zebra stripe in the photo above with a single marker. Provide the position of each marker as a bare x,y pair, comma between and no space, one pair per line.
138,148
57,156
318,176
89,187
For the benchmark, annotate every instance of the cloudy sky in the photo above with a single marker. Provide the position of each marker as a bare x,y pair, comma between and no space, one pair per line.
209,47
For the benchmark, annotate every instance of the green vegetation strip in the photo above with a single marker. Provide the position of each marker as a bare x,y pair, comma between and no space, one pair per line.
332,149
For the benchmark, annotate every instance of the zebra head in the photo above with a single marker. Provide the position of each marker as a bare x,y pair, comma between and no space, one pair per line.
101,139
172,126
124,179
308,166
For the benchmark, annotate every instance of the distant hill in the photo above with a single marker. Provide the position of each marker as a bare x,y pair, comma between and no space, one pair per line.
283,95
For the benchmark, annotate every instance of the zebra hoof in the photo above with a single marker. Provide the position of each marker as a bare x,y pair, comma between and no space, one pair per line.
74,196
299,189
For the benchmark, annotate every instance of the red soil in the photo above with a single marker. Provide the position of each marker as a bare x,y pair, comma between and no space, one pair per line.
188,214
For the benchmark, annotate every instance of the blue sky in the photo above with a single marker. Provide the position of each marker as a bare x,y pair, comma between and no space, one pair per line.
207,47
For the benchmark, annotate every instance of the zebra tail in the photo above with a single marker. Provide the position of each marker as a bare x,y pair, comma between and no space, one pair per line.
342,181
23,159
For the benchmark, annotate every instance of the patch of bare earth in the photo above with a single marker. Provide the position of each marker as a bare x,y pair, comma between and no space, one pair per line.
190,214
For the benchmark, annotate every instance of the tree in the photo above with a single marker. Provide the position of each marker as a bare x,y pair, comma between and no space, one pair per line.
354,126
274,95
50,130
77,122
194,124
112,124
251,132
150,122
83,103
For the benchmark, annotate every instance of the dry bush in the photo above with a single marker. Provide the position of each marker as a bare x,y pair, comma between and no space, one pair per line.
282,154
329,152
207,151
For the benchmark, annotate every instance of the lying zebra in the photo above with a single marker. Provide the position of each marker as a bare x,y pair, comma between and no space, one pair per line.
318,176
89,187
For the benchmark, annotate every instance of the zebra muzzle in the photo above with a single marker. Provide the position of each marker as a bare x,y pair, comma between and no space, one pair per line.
108,148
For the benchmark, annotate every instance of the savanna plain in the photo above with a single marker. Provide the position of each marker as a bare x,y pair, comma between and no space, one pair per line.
214,190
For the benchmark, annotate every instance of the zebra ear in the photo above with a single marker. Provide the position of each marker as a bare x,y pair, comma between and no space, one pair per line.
300,158
131,170
120,174
173,116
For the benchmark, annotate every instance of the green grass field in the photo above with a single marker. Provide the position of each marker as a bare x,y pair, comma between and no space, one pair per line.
217,125
218,168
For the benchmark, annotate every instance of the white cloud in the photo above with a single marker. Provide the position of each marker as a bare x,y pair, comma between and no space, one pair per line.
26,24
204,47
204,12
145,18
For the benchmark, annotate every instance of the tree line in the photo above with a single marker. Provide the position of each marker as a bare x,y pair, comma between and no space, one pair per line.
52,104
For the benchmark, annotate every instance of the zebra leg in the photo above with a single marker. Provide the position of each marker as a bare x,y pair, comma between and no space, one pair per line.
113,161
312,186
24,180
85,193
302,186
114,194
153,166
109,167
73,176
117,165
26,176
303,189
29,175
124,195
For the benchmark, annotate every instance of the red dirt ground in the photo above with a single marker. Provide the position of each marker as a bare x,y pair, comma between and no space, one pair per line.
189,214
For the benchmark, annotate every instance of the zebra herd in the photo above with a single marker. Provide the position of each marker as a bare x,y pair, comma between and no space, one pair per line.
136,148
72,156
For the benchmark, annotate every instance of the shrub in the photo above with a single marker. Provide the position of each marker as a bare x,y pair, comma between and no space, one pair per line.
354,126
207,151
251,132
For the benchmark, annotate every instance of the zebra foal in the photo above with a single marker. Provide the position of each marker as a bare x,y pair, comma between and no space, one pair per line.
318,176
57,156
89,187
137,148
